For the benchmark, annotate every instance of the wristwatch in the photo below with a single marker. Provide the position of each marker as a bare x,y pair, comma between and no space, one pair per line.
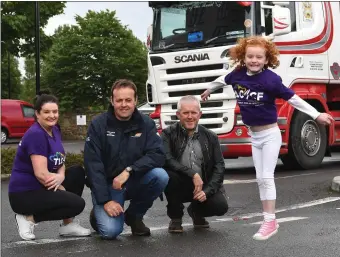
129,169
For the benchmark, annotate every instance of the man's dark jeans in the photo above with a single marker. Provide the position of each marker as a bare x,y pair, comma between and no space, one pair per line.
180,190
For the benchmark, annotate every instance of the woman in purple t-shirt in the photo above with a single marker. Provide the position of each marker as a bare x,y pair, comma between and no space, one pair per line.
256,88
40,189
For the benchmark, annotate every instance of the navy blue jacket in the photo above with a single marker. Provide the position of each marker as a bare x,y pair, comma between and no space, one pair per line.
109,149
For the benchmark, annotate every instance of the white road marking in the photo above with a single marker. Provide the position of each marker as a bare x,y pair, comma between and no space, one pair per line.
338,208
288,219
246,181
80,251
127,232
40,241
292,207
236,181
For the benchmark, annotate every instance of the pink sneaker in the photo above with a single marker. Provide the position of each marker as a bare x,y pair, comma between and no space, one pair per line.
267,229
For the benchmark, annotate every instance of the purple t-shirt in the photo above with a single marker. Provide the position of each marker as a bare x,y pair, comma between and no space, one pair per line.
256,95
38,142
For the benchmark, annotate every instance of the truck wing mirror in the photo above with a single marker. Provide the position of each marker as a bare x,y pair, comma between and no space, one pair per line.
149,37
281,20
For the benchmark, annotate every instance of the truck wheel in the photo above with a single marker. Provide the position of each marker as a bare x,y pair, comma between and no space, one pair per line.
307,143
4,135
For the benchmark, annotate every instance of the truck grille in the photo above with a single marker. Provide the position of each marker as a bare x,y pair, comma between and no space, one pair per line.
204,116
208,126
191,81
203,105
212,126
192,92
195,68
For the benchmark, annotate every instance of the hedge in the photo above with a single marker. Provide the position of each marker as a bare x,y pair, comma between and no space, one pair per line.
7,158
8,155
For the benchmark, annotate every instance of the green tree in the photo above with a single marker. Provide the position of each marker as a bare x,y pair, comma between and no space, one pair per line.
15,76
18,25
29,82
86,59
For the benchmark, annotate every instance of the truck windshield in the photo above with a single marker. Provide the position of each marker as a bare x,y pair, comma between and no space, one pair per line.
197,24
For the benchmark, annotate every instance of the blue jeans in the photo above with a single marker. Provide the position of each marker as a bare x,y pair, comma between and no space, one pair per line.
142,190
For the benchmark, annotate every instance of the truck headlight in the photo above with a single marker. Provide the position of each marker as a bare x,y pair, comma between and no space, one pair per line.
239,121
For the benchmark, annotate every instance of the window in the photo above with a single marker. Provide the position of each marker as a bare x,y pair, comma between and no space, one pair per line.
197,24
172,18
28,111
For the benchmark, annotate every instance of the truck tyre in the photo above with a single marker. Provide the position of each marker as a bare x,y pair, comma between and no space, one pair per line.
4,135
307,143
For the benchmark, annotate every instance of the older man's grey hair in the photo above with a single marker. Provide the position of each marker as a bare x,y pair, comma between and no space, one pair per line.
188,99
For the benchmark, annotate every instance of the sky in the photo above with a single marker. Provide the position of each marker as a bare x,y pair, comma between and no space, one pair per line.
137,15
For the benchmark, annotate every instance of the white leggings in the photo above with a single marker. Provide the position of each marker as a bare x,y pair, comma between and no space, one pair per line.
266,146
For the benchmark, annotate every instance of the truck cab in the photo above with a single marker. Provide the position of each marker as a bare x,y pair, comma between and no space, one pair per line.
188,48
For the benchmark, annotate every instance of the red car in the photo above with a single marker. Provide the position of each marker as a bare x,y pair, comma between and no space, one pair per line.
16,117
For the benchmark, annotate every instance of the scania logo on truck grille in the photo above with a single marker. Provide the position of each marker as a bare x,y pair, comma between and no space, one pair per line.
191,58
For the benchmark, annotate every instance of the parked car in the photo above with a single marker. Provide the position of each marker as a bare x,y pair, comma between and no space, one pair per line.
16,117
146,108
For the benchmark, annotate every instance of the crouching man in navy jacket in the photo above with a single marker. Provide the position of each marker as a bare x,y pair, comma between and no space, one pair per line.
122,156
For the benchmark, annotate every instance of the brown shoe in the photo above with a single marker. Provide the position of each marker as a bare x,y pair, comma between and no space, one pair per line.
198,221
175,226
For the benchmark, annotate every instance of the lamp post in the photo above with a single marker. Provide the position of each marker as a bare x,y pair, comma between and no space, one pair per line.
8,70
37,48
9,74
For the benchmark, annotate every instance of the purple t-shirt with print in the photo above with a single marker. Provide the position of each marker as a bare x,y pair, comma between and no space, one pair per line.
36,141
256,95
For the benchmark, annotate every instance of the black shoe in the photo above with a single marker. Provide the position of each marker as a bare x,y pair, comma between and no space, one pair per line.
138,227
198,221
175,226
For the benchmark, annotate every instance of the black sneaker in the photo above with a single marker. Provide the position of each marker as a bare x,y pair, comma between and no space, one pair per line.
138,227
198,221
175,226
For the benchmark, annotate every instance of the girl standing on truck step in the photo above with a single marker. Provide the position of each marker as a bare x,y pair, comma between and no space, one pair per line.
256,88
40,189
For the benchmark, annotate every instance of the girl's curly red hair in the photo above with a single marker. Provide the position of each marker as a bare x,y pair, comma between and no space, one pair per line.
238,52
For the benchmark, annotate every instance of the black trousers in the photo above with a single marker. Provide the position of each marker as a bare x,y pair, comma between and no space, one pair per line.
180,190
46,204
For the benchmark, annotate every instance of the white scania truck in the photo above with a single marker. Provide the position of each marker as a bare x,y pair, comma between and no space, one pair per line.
188,48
